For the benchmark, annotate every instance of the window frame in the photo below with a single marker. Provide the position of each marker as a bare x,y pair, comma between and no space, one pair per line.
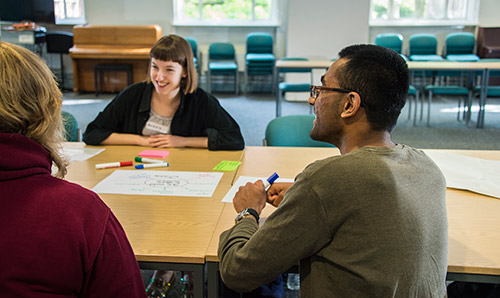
471,19
72,21
180,21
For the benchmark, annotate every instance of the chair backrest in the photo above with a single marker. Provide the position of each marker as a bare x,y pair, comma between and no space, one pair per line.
59,42
259,43
221,51
423,44
292,131
460,43
70,127
294,69
194,45
393,41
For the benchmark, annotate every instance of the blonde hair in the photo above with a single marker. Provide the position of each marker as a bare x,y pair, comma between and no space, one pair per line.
30,101
177,49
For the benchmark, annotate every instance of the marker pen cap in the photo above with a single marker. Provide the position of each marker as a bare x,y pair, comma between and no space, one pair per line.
125,163
267,183
272,178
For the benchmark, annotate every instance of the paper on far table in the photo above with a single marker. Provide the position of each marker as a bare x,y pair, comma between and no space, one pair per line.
242,180
469,173
76,151
160,183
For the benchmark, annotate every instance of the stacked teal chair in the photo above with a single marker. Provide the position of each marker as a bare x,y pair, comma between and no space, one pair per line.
393,41
291,131
459,46
259,58
284,87
423,47
222,62
71,132
492,91
196,54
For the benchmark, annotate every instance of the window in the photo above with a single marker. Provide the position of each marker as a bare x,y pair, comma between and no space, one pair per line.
69,12
225,12
424,12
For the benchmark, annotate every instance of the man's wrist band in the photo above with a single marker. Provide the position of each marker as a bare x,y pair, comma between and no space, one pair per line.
247,211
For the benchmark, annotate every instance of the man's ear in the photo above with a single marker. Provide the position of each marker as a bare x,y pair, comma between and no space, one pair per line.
351,106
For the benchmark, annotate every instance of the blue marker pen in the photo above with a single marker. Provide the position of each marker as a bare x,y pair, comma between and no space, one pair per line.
270,180
152,165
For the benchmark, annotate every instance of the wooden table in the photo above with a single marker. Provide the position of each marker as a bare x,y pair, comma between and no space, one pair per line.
182,233
166,232
484,67
474,224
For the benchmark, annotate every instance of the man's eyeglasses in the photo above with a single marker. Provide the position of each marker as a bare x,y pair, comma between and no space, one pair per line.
316,90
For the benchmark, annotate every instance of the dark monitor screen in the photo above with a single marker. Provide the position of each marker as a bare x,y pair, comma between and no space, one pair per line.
39,11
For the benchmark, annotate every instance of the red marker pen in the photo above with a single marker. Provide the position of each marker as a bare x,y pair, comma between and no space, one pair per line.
113,165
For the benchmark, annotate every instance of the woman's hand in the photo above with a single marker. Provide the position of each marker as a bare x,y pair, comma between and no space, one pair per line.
165,141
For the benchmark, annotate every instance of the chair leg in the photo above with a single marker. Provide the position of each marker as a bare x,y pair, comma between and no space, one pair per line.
429,108
410,99
422,109
469,107
62,71
209,82
236,82
279,94
415,108
246,81
459,107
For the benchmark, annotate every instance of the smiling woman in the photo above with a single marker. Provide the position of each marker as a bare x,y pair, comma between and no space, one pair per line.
167,110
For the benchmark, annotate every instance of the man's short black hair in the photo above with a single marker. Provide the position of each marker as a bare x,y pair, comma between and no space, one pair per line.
381,77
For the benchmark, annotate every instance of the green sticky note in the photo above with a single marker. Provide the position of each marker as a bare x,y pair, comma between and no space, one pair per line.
227,166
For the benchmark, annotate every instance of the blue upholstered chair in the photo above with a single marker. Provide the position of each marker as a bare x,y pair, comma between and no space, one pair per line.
196,54
393,41
291,131
71,133
492,91
459,46
284,87
222,61
259,58
423,47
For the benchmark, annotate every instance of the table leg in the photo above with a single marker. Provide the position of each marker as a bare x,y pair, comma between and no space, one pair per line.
212,279
482,98
197,269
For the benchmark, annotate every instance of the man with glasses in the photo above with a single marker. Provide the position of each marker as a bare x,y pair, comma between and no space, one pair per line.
368,223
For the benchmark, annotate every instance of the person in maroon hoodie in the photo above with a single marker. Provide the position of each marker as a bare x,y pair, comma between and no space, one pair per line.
58,238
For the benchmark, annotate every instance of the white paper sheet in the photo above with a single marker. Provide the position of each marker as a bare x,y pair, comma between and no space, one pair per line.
242,180
76,151
160,183
469,173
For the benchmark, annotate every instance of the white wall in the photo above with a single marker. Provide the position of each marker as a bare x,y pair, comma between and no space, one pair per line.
319,29
488,13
